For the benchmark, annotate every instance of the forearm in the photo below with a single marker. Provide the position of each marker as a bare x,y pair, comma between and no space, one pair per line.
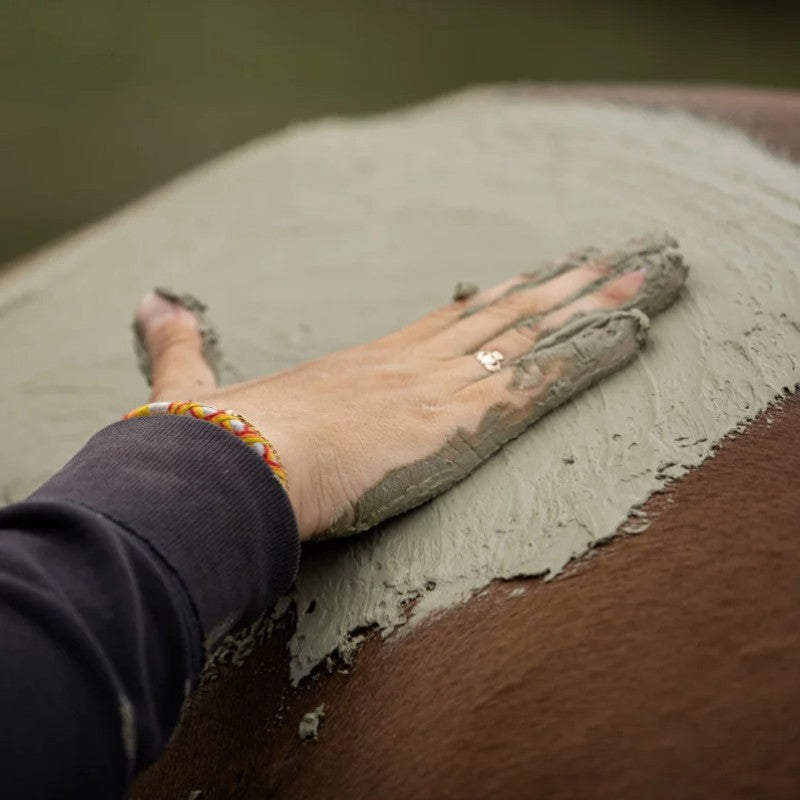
159,534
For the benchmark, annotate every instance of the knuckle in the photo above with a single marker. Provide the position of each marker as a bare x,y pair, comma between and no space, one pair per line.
443,314
529,332
172,338
597,269
512,304
430,409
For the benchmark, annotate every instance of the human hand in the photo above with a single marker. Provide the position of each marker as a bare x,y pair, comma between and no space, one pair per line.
369,432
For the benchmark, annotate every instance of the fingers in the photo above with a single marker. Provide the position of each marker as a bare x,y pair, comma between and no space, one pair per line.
470,332
665,275
171,350
442,318
646,273
453,329
530,279
560,367
615,293
467,300
478,300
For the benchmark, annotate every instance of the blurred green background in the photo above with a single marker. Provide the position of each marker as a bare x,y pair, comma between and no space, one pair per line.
100,100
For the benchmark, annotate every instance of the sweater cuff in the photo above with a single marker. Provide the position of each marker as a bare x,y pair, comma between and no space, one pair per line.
202,499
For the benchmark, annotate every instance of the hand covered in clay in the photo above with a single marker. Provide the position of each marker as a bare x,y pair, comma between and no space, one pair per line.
372,431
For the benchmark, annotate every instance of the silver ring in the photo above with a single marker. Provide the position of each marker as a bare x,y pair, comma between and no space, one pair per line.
492,360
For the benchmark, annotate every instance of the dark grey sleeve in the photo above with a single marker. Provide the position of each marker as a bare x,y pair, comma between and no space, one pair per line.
160,533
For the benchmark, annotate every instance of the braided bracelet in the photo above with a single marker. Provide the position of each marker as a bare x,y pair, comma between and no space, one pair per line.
229,420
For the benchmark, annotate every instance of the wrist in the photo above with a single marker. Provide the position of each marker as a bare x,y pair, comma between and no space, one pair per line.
309,464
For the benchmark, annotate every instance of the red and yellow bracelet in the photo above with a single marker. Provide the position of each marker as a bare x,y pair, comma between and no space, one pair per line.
229,420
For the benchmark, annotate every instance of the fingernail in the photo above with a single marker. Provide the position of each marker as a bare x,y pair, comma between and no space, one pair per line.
153,307
641,273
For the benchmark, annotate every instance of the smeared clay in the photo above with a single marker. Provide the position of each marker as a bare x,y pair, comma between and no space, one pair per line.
310,723
208,334
236,647
487,184
656,253
664,268
560,366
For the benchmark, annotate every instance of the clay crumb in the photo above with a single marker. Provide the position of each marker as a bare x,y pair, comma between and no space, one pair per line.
464,290
518,592
634,529
310,724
